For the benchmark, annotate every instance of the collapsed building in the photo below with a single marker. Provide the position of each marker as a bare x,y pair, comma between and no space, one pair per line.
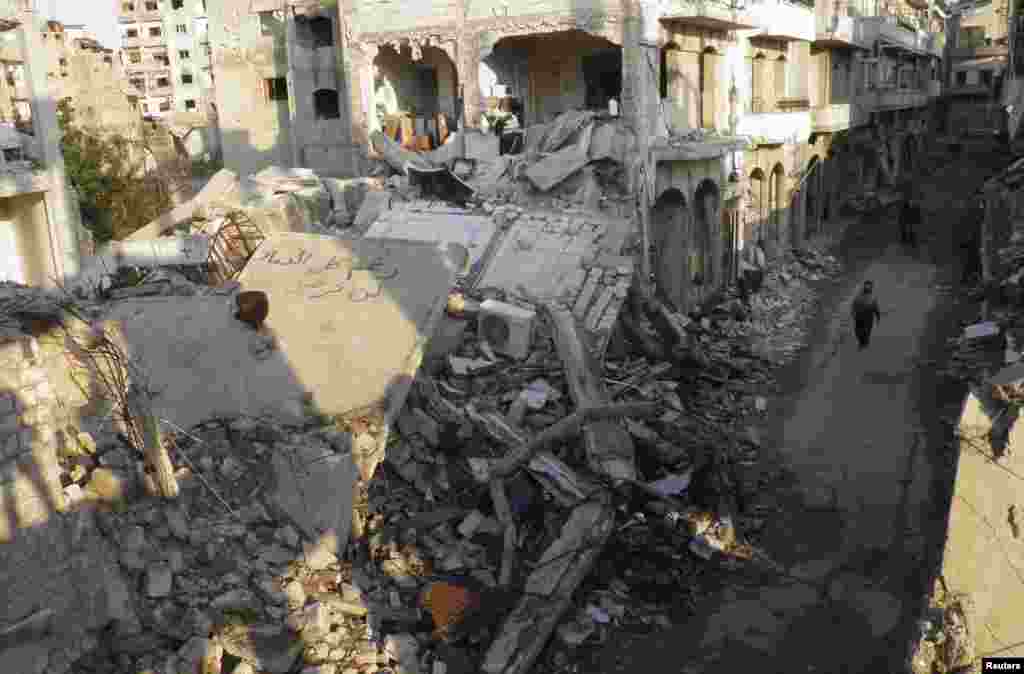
743,123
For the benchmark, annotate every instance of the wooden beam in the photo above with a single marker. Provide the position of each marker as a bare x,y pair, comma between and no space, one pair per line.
153,446
609,447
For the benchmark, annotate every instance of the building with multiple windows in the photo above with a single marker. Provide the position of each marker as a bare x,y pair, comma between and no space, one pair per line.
165,53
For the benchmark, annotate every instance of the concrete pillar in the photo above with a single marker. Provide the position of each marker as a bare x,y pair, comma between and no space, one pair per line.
361,94
293,98
468,69
63,222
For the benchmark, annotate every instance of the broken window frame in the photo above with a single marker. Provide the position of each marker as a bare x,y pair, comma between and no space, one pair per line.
152,7
155,31
184,55
190,80
177,4
181,29
190,104
131,34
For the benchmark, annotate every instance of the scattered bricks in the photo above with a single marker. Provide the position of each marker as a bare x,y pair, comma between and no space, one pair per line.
8,404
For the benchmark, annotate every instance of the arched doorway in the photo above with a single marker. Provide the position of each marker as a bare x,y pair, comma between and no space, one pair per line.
669,238
412,89
705,244
777,204
812,196
757,213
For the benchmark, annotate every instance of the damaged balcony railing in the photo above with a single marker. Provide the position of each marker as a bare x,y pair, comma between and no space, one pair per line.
232,246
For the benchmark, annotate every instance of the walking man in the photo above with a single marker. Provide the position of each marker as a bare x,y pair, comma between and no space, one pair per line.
910,219
865,312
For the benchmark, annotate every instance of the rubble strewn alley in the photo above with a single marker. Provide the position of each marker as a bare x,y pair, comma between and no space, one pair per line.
478,341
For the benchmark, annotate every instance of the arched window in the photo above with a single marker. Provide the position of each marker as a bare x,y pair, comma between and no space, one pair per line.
325,104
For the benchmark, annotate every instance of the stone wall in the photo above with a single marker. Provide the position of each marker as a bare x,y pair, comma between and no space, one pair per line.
60,580
30,479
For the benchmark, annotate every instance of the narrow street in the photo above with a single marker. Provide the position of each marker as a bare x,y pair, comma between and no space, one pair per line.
862,512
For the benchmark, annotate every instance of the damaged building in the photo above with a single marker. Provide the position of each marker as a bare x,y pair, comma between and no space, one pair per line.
40,229
281,90
744,123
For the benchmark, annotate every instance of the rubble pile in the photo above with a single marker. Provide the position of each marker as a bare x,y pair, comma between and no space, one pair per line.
579,158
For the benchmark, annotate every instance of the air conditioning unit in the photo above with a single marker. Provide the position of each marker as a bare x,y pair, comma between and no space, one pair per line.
508,329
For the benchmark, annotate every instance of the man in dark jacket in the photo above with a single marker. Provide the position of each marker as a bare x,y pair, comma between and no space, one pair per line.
910,218
864,313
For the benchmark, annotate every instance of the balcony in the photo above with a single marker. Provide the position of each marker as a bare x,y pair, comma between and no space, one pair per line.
775,127
838,117
896,99
836,26
889,29
712,14
783,20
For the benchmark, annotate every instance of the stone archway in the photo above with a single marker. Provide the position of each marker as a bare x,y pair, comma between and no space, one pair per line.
418,81
757,213
778,203
670,225
813,194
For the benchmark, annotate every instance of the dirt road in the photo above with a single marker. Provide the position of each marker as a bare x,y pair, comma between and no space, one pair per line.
861,515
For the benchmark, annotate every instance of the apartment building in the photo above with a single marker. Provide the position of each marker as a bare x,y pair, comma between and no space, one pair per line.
165,52
281,86
40,226
977,57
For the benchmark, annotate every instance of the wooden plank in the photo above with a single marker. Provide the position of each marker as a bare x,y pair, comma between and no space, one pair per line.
526,630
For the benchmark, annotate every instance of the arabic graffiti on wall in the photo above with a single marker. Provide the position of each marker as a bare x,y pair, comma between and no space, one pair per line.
358,280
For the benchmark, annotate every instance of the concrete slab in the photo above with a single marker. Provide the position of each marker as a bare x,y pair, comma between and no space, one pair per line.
983,552
202,363
421,221
552,170
224,185
352,318
314,487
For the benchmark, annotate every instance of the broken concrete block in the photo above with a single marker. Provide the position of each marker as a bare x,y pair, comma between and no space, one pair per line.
552,170
480,146
374,204
353,316
159,580
315,489
268,648
405,650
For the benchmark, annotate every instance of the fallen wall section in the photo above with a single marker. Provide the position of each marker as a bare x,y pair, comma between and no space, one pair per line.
984,554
